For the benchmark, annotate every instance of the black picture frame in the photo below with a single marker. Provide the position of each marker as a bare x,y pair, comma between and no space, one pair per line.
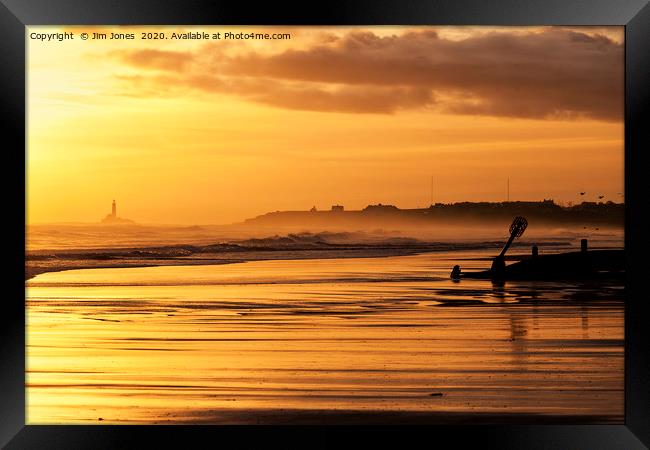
15,15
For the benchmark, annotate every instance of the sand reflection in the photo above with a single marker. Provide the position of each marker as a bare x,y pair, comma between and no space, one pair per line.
372,340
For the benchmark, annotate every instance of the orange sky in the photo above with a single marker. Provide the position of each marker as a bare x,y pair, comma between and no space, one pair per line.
198,132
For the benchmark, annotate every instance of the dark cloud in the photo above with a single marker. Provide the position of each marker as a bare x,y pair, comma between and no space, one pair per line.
556,73
347,99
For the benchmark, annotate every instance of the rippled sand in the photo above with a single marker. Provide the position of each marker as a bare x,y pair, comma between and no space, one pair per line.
320,341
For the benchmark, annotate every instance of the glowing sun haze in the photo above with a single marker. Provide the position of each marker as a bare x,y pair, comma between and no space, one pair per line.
195,131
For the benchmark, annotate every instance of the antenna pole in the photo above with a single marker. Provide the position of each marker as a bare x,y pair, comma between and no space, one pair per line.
508,189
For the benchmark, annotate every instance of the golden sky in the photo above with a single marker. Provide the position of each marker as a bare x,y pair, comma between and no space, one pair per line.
216,131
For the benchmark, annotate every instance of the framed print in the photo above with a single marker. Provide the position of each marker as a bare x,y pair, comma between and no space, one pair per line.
286,220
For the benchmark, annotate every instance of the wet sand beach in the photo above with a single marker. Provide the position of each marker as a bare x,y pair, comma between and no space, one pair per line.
354,340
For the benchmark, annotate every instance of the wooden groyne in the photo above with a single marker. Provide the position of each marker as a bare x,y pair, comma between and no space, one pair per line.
580,265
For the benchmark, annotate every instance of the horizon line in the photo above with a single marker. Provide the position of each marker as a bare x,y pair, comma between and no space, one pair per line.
243,221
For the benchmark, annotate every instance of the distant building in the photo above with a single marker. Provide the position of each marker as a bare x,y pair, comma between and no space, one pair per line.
338,208
112,217
313,209
381,208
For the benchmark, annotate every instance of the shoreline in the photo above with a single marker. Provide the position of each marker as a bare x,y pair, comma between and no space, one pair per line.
36,264
77,264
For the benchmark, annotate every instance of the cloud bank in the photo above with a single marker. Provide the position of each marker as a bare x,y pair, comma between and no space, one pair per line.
553,74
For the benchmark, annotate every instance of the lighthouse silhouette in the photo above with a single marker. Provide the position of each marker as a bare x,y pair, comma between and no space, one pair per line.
112,218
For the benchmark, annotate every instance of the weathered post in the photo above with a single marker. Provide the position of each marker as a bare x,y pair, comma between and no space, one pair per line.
535,251
583,245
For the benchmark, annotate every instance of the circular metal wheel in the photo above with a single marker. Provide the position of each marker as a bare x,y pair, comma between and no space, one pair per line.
518,226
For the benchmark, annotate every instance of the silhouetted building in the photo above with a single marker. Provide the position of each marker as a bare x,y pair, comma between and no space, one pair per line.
112,217
337,208
380,208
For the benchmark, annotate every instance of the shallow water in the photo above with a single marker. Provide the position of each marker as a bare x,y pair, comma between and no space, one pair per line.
232,343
